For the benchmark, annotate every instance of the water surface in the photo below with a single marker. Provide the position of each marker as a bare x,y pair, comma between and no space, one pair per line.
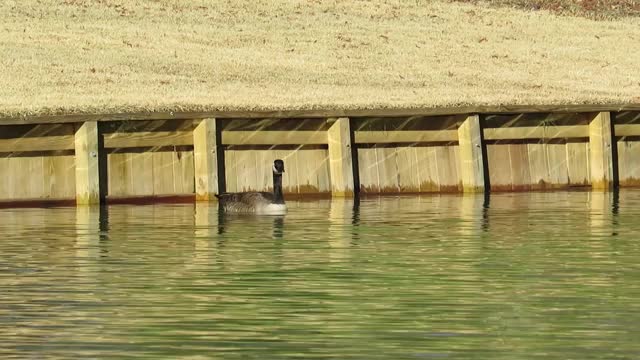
513,276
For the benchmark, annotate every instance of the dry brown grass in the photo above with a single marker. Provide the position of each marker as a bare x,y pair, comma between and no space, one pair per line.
593,9
120,56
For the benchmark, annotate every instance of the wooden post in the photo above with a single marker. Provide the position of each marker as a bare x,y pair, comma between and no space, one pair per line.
472,155
87,158
342,158
208,157
602,152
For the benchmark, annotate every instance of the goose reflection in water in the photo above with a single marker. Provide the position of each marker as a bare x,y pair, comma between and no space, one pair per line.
225,221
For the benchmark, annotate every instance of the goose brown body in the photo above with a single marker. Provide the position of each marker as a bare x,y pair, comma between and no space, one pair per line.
257,202
246,201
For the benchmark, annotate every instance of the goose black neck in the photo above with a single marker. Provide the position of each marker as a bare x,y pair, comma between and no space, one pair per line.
277,189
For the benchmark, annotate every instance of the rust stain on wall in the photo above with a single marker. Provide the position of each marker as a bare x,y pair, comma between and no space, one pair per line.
630,182
429,187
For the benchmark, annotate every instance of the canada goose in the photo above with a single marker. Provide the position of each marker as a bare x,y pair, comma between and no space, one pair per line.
264,203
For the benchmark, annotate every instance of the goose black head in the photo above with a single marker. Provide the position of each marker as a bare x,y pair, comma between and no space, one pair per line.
278,167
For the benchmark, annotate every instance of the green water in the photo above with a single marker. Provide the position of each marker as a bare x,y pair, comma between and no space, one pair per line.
515,276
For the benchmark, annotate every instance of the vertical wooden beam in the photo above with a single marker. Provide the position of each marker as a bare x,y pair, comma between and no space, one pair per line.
89,182
208,158
602,152
473,166
342,158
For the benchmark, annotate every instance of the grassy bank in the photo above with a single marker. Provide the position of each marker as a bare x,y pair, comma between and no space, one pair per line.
123,56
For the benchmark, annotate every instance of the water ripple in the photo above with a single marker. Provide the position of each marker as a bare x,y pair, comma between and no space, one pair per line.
512,276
